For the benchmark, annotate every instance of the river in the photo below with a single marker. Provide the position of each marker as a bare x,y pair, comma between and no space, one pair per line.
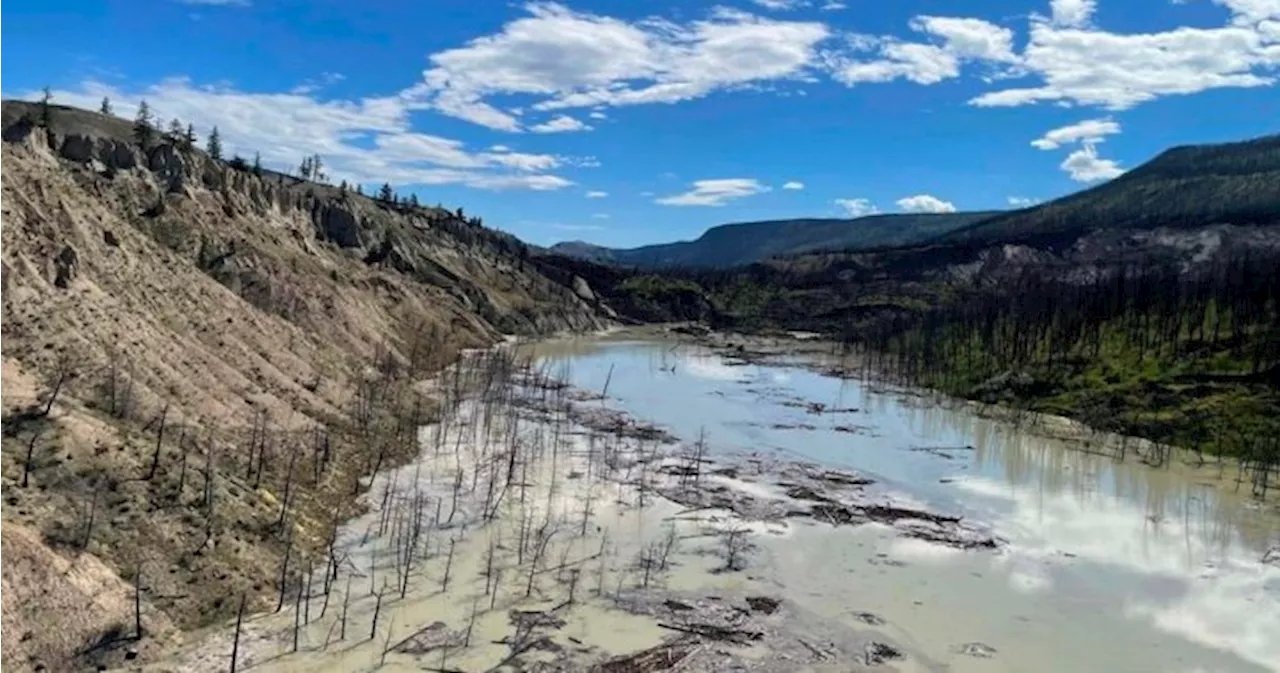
1108,566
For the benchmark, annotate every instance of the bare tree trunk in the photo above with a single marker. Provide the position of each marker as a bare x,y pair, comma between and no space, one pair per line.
93,511
448,565
155,456
235,644
26,464
297,614
346,602
377,609
284,573
137,605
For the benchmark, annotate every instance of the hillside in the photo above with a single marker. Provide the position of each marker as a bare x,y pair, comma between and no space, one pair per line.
1145,306
176,332
747,242
1182,188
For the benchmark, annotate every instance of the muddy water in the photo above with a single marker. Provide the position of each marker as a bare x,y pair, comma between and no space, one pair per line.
1109,566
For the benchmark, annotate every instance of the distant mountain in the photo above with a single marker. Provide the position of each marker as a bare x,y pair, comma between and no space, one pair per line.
747,242
1185,187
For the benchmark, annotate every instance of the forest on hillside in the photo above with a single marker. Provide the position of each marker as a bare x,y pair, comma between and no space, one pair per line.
1191,360
1182,357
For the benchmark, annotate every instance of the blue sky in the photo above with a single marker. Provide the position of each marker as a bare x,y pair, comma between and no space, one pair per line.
625,123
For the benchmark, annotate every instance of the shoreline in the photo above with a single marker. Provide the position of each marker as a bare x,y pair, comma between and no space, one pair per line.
805,350
642,549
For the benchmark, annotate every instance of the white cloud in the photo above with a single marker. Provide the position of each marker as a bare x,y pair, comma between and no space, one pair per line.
781,5
562,59
1084,165
1022,201
1084,66
961,40
499,148
599,216
833,6
857,207
364,141
1089,131
793,185
1072,13
596,114
715,192
969,38
561,124
925,203
596,194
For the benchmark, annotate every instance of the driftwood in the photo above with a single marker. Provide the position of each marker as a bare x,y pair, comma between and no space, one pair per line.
715,632
665,657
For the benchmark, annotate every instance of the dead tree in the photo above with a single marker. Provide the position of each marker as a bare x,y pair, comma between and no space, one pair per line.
448,565
284,572
235,644
377,609
137,604
64,370
26,464
288,486
93,511
735,546
155,455
346,602
297,614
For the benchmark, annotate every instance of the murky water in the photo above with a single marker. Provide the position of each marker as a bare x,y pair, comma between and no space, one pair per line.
1110,566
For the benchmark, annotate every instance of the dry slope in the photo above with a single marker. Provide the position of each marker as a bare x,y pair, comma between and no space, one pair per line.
211,334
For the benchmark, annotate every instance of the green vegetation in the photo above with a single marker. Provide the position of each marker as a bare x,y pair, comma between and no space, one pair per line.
1186,359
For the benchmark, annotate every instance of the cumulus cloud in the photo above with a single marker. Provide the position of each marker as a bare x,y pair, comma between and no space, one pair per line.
1085,66
833,6
793,185
958,40
925,203
715,192
857,207
1072,13
1084,165
1089,131
561,124
562,59
363,141
1022,201
596,194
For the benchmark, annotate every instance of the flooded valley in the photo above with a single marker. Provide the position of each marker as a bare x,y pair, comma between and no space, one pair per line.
632,505
1105,565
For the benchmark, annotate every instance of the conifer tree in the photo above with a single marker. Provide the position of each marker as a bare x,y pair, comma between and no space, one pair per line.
46,110
214,147
143,131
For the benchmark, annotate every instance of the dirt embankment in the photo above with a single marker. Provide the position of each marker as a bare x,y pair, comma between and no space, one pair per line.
230,352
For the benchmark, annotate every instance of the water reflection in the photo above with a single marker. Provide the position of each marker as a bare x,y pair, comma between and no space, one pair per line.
1167,550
